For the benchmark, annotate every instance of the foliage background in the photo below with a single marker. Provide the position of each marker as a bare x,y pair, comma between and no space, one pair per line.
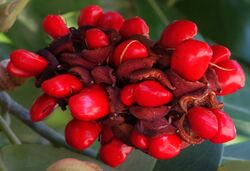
225,22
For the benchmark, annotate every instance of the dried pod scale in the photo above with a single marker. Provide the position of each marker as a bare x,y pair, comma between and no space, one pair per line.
131,92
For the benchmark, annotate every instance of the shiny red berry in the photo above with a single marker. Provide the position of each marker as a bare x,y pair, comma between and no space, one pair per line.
177,32
95,38
164,146
62,85
151,93
106,135
110,21
227,130
90,104
81,134
42,107
220,53
115,152
139,140
133,26
130,49
55,26
230,75
203,122
16,72
191,59
127,95
89,15
28,62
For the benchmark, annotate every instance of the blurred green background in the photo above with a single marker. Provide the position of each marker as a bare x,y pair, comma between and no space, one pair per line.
225,22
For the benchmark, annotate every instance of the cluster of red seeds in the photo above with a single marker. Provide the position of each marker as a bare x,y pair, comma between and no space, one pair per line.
131,92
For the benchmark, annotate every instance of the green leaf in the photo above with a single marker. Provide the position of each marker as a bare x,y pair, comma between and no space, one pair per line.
240,151
203,157
5,46
126,8
225,22
145,10
9,12
30,157
58,119
243,127
234,165
138,161
158,14
3,140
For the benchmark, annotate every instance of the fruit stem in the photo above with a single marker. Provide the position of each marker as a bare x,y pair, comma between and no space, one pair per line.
158,11
8,131
125,50
51,135
2,165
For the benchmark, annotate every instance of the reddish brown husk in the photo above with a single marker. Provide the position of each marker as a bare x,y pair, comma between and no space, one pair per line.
69,54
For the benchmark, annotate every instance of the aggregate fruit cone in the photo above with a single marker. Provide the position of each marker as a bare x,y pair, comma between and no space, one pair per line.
119,85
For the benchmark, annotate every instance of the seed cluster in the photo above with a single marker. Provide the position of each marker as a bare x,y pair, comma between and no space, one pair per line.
129,91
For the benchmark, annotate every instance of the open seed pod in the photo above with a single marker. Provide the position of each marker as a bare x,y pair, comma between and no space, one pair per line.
119,85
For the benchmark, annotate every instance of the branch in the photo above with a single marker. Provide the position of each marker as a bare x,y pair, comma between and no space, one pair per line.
8,131
51,135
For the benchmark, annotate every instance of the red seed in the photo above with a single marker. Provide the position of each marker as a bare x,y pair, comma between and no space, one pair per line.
28,62
42,107
177,32
110,21
62,85
133,26
130,49
191,59
115,152
81,134
89,15
106,135
164,146
127,95
55,26
231,76
139,140
227,130
151,94
95,38
220,53
90,104
203,122
16,72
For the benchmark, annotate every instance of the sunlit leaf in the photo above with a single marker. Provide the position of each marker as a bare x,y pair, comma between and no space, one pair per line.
9,12
32,157
234,165
240,151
